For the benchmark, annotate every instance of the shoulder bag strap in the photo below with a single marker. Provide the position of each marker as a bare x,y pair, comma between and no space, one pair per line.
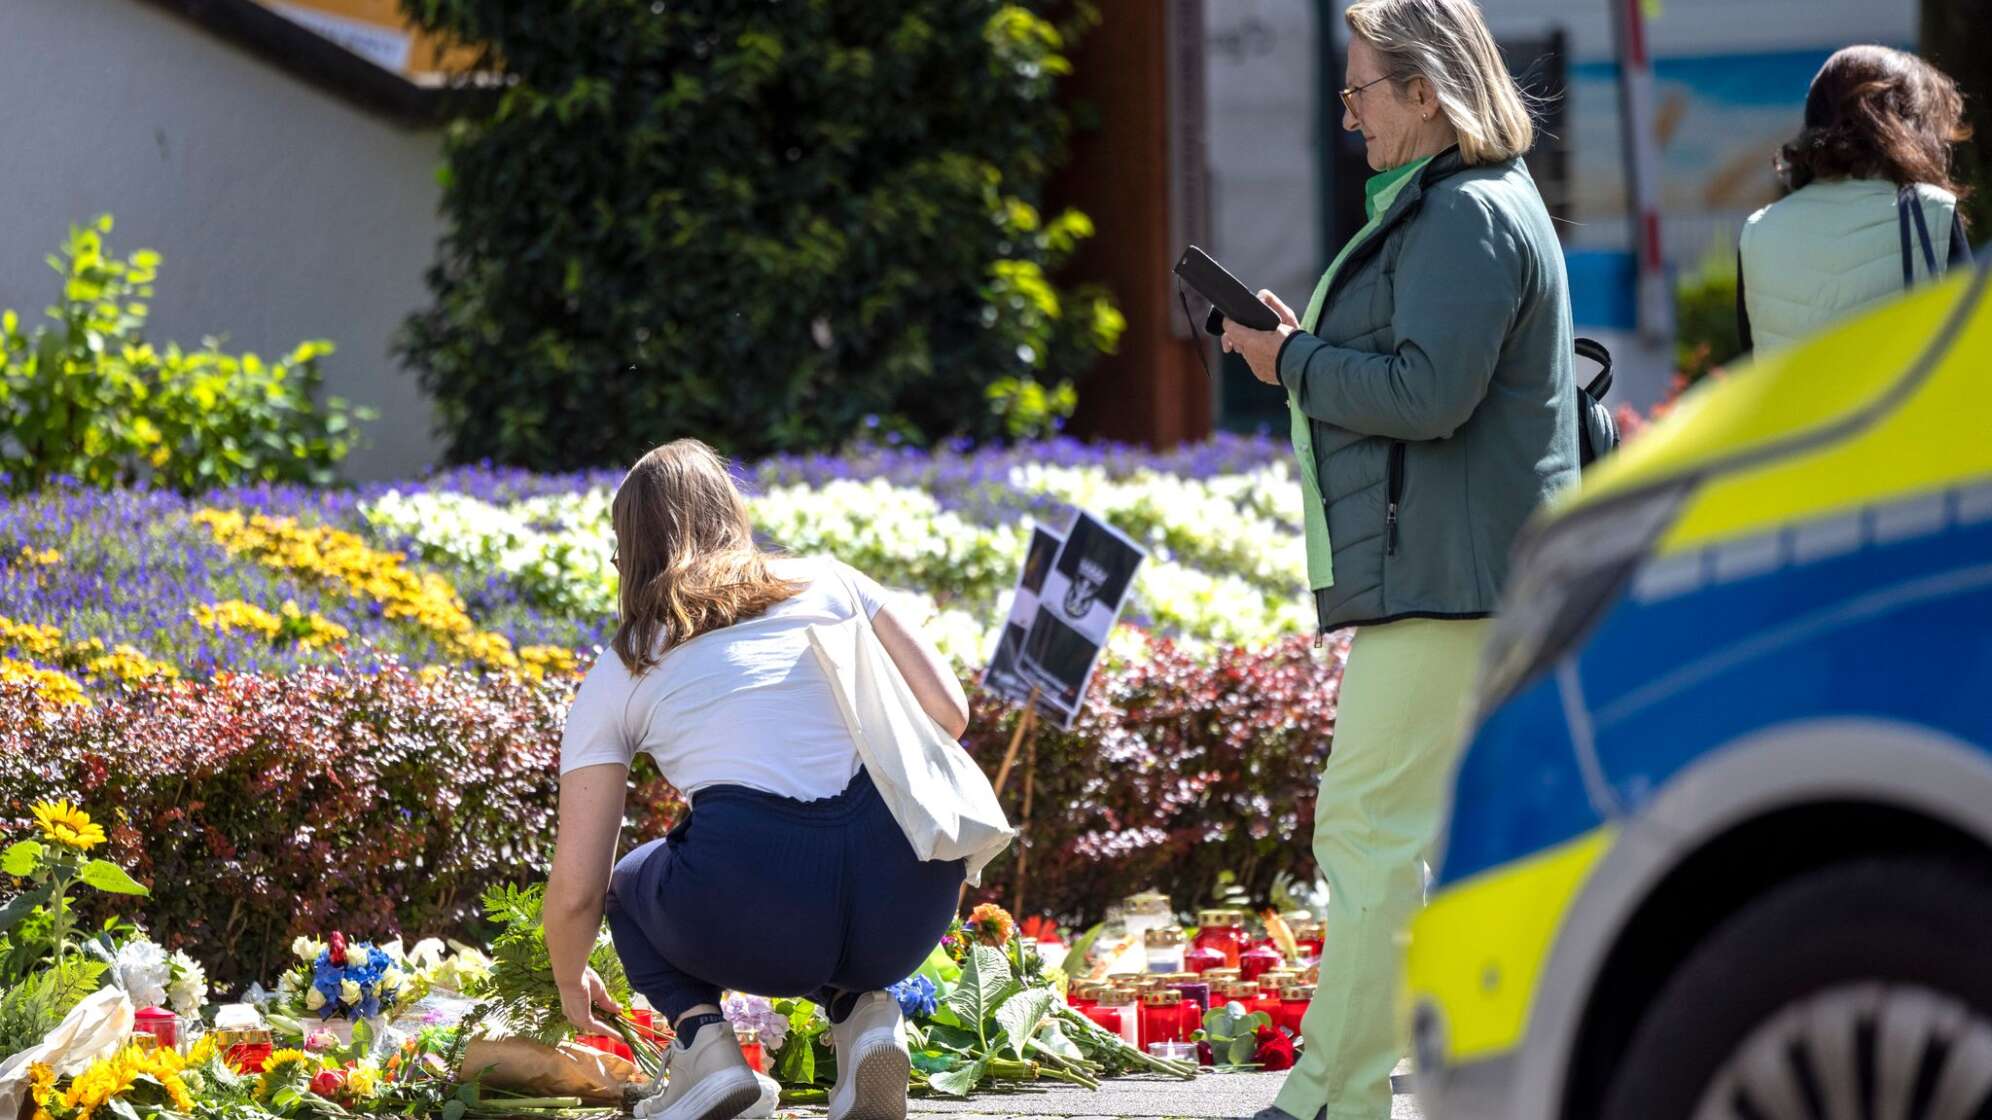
1930,263
1903,198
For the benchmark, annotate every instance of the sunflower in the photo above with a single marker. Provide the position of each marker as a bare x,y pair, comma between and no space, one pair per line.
68,825
277,1070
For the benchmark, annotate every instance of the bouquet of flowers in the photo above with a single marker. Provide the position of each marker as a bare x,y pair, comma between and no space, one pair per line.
153,978
337,980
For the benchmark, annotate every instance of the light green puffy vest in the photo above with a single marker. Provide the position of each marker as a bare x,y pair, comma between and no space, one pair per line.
1830,250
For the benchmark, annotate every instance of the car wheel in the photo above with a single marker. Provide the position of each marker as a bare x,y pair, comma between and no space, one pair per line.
1859,990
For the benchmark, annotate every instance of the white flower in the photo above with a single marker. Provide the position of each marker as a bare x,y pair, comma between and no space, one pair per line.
313,998
349,992
392,979
188,989
395,953
307,949
142,971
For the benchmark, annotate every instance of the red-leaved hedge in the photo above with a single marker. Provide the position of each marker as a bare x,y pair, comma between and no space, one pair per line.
383,803
1178,770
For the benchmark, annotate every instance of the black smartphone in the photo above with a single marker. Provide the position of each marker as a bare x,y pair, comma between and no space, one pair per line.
1229,299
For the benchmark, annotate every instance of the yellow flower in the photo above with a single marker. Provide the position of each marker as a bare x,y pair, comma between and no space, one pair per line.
202,1051
41,1083
341,561
67,825
55,686
281,1066
40,557
36,641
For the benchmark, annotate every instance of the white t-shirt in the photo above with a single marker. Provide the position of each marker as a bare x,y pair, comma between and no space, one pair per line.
745,705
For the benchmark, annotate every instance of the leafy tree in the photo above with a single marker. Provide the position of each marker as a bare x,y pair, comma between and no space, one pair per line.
1957,38
773,225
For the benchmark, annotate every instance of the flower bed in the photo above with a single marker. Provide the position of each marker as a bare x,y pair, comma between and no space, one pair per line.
391,664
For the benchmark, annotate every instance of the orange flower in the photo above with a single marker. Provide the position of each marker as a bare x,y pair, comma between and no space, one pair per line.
992,924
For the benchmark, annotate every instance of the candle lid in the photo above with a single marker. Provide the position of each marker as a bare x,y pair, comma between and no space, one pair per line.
1165,936
1297,991
1117,996
1222,974
1165,997
237,1017
1178,977
748,1036
1237,989
1219,919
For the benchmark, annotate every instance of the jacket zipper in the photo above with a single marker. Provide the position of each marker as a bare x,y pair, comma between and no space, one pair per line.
1394,487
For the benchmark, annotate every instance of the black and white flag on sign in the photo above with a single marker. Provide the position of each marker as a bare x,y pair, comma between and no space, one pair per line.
1077,606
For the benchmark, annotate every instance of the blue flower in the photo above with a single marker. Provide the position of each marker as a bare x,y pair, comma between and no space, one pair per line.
916,996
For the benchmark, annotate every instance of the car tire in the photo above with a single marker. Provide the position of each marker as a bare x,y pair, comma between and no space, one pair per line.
1830,995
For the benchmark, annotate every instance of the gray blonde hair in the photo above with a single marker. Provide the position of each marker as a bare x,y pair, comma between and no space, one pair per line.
1447,43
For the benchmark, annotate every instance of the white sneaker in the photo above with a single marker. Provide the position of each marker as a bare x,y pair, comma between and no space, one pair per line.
710,1080
873,1067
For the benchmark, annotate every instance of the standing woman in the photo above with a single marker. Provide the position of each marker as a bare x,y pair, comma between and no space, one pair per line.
1873,208
789,877
1433,410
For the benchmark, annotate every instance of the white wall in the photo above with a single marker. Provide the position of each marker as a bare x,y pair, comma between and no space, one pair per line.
1265,208
283,212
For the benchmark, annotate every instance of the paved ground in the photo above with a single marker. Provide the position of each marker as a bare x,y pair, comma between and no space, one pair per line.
1131,1098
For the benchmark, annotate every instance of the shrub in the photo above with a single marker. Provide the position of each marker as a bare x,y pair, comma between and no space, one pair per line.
261,808
383,803
1178,771
767,225
1706,334
91,399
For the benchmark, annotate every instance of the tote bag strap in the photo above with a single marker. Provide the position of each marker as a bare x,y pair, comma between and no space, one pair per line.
1908,211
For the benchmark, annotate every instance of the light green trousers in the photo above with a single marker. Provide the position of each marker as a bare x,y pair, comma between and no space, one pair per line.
1397,735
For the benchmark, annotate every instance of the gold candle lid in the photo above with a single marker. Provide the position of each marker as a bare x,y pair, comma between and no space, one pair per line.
1297,991
1217,974
1167,935
1237,989
1116,996
1162,997
1217,919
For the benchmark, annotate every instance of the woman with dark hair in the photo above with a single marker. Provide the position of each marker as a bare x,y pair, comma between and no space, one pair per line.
789,877
1873,208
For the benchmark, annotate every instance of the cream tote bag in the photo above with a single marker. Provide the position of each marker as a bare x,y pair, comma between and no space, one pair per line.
939,796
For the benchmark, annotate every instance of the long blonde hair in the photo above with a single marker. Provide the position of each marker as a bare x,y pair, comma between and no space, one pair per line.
1447,43
686,552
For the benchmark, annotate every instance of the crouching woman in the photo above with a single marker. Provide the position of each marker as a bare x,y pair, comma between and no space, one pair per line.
789,876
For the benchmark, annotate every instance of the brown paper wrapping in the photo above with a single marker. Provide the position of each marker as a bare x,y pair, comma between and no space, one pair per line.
534,1069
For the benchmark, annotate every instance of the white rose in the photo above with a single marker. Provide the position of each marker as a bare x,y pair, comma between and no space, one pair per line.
307,949
349,992
391,979
314,999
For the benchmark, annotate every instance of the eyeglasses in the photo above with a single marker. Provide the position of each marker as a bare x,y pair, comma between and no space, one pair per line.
1349,94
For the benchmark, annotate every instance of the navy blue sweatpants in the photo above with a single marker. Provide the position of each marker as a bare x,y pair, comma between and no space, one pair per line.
758,893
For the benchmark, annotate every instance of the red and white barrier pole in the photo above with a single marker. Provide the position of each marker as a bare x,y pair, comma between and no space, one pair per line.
1642,167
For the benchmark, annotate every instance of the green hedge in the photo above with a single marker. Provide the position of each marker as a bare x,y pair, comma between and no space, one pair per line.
773,226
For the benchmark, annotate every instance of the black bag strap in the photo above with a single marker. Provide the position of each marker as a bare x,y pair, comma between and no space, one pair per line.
1909,208
1594,350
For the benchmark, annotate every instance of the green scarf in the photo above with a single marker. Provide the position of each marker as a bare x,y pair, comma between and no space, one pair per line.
1381,190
